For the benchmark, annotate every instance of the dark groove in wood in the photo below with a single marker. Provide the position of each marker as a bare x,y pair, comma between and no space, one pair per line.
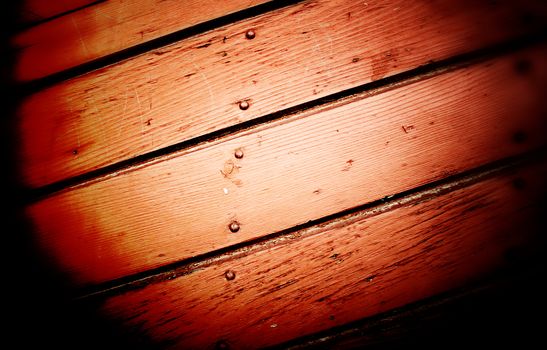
388,203
372,88
39,84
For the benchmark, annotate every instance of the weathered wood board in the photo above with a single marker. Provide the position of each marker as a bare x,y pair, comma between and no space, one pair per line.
194,87
297,169
346,270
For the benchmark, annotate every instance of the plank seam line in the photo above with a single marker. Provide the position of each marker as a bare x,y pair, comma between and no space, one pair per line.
412,196
330,101
33,86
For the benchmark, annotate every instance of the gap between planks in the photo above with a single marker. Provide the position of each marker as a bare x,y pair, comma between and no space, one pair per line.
346,217
165,212
345,273
190,88
80,63
334,100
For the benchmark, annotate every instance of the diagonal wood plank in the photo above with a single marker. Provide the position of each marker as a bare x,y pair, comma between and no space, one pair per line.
344,271
194,87
109,27
300,168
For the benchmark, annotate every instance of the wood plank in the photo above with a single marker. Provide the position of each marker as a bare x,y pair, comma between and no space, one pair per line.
498,315
343,271
192,87
297,169
109,27
40,10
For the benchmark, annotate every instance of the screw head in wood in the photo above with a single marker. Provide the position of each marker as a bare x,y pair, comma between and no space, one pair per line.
243,105
238,153
234,226
250,34
229,275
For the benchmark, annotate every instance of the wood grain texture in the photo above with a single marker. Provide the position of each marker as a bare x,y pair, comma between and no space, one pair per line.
193,87
344,271
40,10
109,27
294,170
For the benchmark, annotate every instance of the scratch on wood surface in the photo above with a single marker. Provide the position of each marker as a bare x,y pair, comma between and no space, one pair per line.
80,36
208,85
150,91
306,66
104,14
140,110
204,80
77,134
318,48
75,124
123,113
102,121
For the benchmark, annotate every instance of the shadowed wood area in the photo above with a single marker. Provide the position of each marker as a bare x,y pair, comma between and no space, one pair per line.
430,322
40,10
195,86
348,269
312,164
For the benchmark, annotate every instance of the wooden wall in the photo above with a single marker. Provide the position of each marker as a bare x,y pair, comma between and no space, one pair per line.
242,174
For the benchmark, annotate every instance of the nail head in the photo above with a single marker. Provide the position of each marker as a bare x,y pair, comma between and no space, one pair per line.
243,105
519,136
519,183
238,154
250,34
234,226
222,344
230,275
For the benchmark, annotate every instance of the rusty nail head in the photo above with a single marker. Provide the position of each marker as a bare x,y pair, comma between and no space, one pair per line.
230,275
250,34
243,105
234,226
238,153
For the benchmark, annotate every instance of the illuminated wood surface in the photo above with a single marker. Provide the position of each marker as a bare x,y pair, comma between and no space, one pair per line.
297,169
348,269
194,87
